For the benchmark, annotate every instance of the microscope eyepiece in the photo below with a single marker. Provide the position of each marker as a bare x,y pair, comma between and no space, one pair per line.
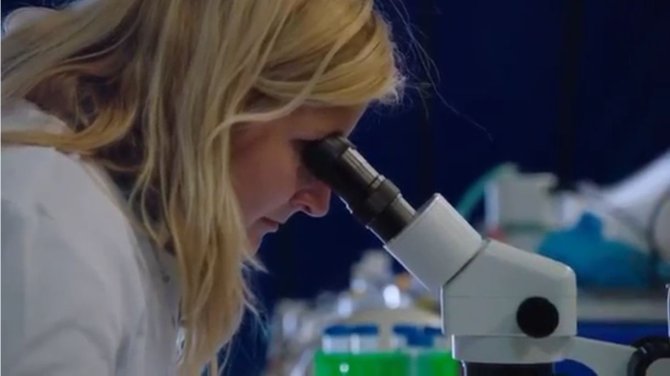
371,198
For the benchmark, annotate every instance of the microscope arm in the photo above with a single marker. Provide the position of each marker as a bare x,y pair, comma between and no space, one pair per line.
603,358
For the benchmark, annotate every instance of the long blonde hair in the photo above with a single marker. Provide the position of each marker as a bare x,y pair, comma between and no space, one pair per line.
151,90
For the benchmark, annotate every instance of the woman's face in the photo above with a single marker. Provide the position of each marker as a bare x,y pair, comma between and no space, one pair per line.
269,178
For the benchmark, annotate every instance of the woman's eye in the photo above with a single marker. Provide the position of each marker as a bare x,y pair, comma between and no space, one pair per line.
303,172
300,144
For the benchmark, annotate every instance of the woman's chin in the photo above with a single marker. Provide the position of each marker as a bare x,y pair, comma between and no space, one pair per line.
255,240
257,232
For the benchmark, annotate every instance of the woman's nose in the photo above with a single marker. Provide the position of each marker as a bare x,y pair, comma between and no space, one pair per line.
314,199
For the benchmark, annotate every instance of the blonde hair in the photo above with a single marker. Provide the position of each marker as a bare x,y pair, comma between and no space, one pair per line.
152,88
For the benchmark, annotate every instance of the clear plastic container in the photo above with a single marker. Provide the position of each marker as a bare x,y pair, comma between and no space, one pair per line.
363,358
436,360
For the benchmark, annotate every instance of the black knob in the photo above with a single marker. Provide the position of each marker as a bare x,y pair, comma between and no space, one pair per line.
649,350
537,317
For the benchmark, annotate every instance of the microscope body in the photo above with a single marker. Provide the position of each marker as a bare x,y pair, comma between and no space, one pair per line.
507,312
501,307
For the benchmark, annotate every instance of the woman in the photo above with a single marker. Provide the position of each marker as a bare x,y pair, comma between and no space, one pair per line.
147,148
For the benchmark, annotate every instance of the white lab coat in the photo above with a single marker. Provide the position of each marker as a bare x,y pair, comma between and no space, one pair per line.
82,292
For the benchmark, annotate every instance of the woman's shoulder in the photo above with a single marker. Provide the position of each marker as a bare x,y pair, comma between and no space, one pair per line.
74,193
68,201
49,193
68,196
68,265
64,236
62,184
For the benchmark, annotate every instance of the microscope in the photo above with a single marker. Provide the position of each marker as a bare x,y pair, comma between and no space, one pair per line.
506,311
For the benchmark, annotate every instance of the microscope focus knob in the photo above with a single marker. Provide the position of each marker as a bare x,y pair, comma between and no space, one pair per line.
649,350
537,317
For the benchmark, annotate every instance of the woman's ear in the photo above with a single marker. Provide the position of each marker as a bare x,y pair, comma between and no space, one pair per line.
23,16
